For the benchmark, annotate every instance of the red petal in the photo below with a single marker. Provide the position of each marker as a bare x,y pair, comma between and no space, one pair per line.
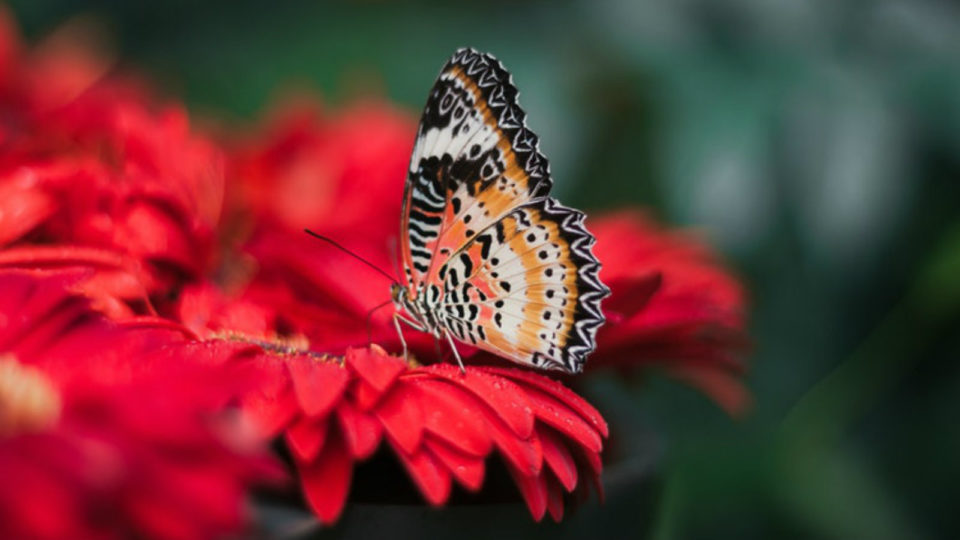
318,384
431,477
361,430
270,414
147,322
326,480
526,455
401,414
632,294
378,369
61,256
596,468
534,491
272,405
593,460
23,205
555,500
365,396
149,230
559,391
44,315
306,437
155,519
558,458
275,380
501,395
468,470
454,416
557,415
197,495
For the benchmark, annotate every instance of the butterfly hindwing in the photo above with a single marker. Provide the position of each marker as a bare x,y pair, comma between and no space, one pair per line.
527,288
473,162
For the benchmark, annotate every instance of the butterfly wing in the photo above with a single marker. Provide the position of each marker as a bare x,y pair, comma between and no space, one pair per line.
527,288
510,268
474,161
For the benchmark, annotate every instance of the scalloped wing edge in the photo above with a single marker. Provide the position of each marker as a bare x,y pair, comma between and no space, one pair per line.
502,97
590,290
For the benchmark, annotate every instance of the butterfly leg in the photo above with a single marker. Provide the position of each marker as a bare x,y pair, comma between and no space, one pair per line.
396,323
456,354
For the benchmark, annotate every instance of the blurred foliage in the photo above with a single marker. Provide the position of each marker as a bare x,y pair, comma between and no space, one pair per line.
817,144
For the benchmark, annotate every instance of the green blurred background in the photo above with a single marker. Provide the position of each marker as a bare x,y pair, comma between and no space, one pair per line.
816,144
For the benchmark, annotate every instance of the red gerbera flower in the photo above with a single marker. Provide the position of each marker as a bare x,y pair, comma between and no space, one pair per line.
109,431
671,305
334,173
115,283
89,160
336,410
442,426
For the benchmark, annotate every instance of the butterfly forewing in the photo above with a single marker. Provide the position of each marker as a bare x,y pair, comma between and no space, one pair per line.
473,162
506,268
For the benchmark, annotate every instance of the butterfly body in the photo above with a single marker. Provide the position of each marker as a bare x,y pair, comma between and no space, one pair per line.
424,311
488,258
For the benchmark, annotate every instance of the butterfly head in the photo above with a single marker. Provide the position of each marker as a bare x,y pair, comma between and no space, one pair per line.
397,293
402,299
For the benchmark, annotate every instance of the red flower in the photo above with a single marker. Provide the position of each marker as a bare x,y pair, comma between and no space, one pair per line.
441,424
340,174
90,160
336,410
671,305
112,281
106,431
311,169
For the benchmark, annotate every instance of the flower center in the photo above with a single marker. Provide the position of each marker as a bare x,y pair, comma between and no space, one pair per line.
28,400
276,345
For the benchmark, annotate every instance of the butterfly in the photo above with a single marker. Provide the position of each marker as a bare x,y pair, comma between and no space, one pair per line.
488,257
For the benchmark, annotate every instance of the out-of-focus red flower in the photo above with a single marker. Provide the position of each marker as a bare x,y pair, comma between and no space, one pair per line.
340,174
672,305
111,430
88,159
115,283
441,424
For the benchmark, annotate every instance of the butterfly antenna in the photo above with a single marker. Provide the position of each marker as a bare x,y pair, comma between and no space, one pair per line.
350,253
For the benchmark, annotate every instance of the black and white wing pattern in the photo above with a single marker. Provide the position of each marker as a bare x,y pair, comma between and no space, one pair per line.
492,259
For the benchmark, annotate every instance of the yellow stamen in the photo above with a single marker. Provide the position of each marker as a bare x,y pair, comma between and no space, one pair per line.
28,400
277,345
